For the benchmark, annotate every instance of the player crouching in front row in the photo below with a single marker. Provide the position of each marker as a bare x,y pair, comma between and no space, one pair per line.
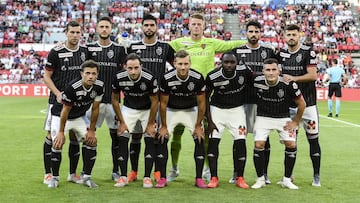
274,97
77,98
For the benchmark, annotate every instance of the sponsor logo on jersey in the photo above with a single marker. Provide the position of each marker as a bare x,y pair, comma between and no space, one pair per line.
285,55
126,83
138,47
226,82
67,54
243,51
95,48
173,83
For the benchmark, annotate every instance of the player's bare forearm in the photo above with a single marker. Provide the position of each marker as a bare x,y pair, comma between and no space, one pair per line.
153,109
163,105
301,105
94,115
64,116
116,106
201,102
50,84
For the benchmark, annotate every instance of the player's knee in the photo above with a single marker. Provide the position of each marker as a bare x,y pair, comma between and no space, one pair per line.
92,144
260,145
290,144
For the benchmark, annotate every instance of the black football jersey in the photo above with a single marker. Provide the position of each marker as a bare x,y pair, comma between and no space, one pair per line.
154,56
110,59
80,98
182,93
296,64
65,65
228,92
274,101
137,93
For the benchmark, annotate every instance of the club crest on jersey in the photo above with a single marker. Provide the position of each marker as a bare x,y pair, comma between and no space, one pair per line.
110,54
299,58
191,86
82,56
263,54
295,86
93,94
241,80
203,46
312,53
280,93
159,51
143,86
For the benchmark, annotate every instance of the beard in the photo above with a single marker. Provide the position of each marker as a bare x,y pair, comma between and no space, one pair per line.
152,34
104,37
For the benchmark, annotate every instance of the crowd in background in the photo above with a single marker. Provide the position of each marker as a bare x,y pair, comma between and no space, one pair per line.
330,29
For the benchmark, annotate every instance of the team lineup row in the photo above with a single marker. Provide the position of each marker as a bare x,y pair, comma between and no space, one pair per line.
249,74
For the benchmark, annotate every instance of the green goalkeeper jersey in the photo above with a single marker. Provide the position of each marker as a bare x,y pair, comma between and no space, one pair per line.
202,52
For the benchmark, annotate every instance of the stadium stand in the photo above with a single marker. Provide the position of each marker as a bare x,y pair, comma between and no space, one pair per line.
330,28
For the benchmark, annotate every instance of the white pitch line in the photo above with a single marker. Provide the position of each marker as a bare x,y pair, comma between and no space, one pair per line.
340,121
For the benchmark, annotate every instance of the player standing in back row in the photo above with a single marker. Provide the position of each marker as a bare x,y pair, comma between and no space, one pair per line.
298,64
154,55
110,57
62,66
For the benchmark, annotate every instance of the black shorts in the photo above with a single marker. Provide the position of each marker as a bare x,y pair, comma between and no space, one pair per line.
334,88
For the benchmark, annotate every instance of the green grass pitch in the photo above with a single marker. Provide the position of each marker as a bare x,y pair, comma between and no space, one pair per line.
21,166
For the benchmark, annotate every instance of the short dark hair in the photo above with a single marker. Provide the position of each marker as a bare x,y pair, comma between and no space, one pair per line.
133,56
89,64
335,61
292,27
105,18
181,54
228,53
148,17
271,61
253,23
72,24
